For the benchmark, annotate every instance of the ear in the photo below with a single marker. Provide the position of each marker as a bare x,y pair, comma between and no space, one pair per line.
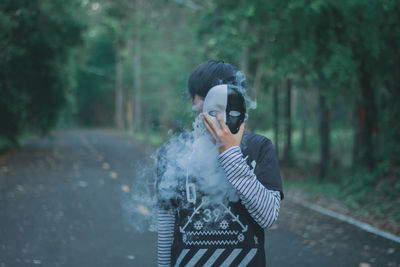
197,98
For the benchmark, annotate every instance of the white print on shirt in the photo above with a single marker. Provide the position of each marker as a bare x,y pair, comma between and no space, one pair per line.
211,224
253,164
190,190
256,240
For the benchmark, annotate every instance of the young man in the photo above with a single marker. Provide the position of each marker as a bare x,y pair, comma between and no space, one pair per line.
198,233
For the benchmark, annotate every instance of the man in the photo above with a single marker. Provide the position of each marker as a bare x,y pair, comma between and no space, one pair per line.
193,231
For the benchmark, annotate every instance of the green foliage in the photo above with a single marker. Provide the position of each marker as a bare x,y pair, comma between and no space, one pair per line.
340,48
346,51
163,36
95,80
36,40
155,139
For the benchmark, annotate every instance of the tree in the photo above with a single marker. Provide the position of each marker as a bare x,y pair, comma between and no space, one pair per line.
36,67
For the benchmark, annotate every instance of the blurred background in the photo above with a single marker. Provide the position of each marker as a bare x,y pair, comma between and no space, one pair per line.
325,75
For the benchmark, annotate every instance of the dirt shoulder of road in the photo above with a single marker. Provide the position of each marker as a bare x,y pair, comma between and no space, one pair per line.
301,195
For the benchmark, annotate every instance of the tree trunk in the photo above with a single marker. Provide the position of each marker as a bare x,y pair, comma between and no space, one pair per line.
288,122
244,60
364,147
245,48
137,84
259,72
119,121
276,119
129,111
324,128
359,118
303,118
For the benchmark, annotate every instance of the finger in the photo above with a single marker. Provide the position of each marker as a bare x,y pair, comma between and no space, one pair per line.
209,129
239,134
222,123
213,137
211,123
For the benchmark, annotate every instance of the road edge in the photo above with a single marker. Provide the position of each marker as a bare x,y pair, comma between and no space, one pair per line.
362,225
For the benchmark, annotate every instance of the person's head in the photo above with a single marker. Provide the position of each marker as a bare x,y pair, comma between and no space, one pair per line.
207,75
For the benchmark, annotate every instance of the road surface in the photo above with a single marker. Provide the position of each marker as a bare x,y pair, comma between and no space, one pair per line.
62,202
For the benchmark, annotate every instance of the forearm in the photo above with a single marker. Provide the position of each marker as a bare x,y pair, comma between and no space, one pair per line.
262,204
165,237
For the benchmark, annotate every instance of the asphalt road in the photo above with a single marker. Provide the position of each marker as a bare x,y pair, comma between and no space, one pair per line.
62,202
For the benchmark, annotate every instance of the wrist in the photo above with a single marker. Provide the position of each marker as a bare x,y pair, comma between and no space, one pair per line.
223,148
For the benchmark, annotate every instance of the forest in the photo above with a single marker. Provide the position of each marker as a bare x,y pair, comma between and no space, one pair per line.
325,75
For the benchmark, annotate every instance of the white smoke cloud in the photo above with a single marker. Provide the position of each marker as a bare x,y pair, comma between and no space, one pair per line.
185,156
188,155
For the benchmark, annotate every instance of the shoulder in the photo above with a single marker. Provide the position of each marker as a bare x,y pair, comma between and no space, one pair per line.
253,141
174,143
257,147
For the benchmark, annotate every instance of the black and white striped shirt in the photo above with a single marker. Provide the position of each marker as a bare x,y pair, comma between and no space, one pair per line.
261,204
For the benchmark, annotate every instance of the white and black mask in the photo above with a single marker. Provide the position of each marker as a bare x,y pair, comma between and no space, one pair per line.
227,101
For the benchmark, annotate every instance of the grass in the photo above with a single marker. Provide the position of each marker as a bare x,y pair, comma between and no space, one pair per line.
314,189
374,202
153,138
6,144
369,196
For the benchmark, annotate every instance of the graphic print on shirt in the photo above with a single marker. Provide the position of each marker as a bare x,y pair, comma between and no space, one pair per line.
210,223
211,233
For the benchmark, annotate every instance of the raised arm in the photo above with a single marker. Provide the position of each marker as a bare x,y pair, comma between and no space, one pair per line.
262,204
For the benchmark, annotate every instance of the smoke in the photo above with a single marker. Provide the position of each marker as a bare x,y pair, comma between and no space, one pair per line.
240,84
185,156
240,80
192,155
186,164
139,206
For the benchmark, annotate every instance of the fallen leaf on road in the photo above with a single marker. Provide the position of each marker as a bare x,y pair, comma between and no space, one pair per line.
4,169
391,251
20,188
82,184
75,166
143,209
114,175
130,257
106,166
364,264
125,188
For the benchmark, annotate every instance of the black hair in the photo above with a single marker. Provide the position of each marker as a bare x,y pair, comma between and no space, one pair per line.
211,73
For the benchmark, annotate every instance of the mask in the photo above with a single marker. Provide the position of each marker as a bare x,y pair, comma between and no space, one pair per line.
227,101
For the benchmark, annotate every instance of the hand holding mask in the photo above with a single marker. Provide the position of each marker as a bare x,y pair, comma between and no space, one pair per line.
224,111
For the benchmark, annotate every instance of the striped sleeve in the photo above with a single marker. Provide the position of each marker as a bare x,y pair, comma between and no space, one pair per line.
263,204
165,237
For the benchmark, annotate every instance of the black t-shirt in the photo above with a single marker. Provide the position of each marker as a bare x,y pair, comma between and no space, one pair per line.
215,234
